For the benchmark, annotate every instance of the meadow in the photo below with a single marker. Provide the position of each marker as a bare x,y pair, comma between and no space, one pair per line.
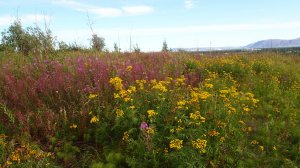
164,109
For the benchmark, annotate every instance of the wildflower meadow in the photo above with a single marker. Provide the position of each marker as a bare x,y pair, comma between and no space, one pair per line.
167,109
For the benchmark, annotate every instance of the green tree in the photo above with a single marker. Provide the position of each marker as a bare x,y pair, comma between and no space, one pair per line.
98,43
165,47
32,39
63,46
14,38
116,48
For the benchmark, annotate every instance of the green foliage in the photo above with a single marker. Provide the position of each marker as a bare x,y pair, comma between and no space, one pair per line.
26,41
226,111
98,43
67,152
165,47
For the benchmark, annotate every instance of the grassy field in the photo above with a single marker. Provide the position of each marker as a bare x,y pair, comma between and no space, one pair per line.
150,110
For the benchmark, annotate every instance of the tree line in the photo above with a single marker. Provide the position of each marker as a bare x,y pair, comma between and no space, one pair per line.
37,41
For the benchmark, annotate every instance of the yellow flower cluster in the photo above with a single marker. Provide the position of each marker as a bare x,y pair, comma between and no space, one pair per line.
129,68
119,113
197,95
181,104
179,128
209,85
117,83
73,126
159,86
151,113
122,93
261,148
213,133
150,131
200,144
92,96
180,81
254,142
224,91
197,116
176,144
246,109
140,83
222,139
94,119
24,153
125,136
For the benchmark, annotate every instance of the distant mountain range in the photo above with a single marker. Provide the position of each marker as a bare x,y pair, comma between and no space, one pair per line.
270,43
274,43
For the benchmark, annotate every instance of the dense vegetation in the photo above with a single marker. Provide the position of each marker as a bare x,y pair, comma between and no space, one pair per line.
88,109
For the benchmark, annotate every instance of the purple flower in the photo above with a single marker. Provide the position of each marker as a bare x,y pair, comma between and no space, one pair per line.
144,126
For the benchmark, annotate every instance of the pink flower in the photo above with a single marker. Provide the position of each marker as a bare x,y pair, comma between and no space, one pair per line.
144,126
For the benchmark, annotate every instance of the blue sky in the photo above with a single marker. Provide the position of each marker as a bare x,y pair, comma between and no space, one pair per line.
182,23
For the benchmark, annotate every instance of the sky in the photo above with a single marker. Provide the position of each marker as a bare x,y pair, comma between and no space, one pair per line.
182,23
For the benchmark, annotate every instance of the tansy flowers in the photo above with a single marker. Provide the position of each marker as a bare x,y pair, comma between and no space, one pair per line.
200,144
94,119
176,144
151,113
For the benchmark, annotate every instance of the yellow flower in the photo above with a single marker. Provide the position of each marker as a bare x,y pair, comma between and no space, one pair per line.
176,143
15,157
180,81
73,126
94,119
8,162
179,128
159,86
127,99
180,104
116,96
125,136
166,150
92,96
200,144
131,89
129,68
209,85
222,139
119,113
141,84
274,148
151,113
261,148
132,107
254,142
224,91
246,109
117,83
242,122
213,133
150,131
197,116
204,95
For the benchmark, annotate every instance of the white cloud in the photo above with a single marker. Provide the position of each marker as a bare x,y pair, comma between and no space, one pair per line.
189,4
25,19
104,11
137,10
